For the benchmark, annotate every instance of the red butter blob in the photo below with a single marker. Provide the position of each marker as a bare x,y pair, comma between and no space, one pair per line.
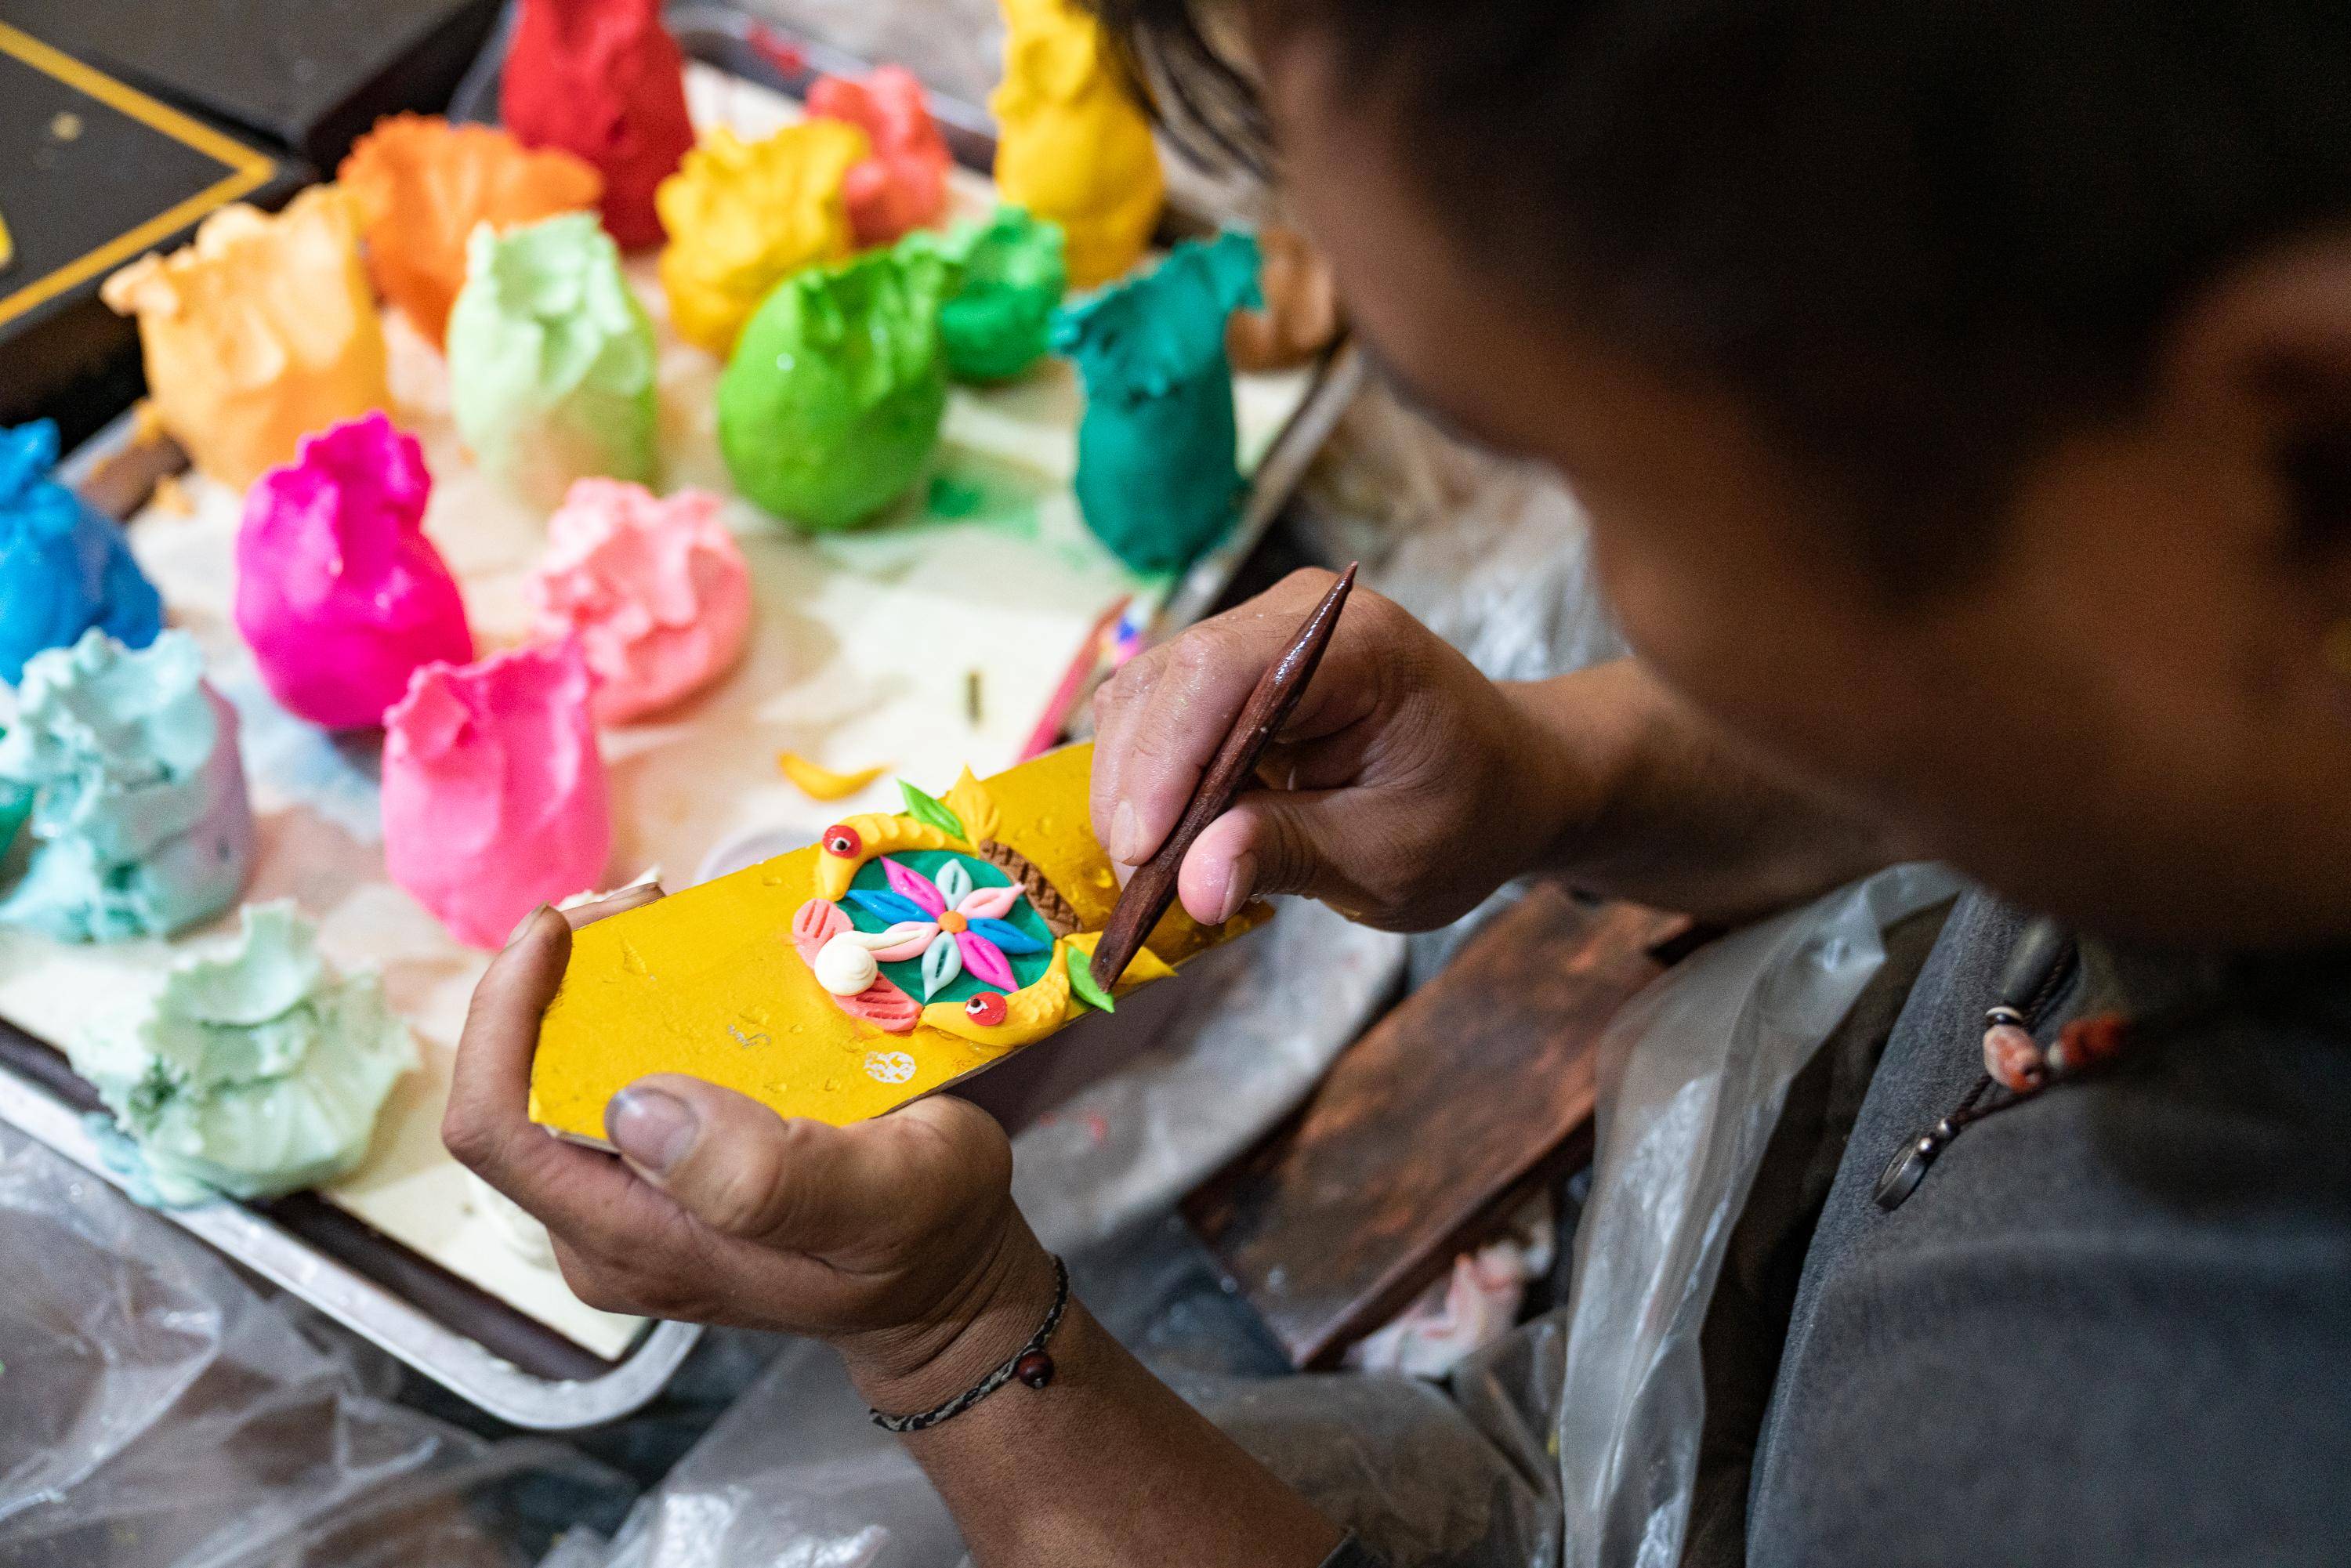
602,79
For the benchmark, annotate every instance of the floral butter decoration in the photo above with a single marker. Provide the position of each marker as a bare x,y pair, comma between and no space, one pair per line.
901,952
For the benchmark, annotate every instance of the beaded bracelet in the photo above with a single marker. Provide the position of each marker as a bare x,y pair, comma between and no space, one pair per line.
1029,1363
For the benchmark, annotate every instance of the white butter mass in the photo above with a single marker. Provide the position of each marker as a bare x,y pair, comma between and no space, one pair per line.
844,965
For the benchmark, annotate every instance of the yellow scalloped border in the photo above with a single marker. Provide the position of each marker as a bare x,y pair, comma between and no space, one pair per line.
1030,1013
878,833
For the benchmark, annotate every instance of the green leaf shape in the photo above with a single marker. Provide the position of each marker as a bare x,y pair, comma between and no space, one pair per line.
1083,983
930,809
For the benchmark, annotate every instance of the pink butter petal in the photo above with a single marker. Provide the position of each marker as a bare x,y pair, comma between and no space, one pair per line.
912,947
820,920
881,1004
986,960
989,902
908,883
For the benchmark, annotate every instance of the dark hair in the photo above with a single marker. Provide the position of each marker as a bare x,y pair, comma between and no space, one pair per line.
1918,238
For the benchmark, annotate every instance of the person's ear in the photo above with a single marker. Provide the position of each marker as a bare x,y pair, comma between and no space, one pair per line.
2260,365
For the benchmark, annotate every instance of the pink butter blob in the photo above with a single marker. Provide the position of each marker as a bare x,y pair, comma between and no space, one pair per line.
494,795
339,592
655,589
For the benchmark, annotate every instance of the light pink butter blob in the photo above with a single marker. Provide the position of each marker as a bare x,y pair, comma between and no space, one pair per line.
655,591
494,796
337,590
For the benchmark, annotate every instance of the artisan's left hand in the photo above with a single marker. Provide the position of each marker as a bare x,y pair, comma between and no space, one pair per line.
894,1238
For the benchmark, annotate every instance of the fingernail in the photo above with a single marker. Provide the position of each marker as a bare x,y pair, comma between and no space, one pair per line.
1126,835
651,1130
1239,880
524,924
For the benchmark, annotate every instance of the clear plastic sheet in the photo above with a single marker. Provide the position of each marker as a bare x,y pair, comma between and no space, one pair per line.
1693,1074
1248,1033
795,1475
155,1408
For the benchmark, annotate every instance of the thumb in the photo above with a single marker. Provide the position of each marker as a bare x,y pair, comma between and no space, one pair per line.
800,1185
1272,840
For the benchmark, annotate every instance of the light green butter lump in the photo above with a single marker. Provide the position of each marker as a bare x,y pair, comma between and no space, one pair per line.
254,1071
552,359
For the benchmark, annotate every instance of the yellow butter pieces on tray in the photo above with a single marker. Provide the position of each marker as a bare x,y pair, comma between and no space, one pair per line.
823,783
900,952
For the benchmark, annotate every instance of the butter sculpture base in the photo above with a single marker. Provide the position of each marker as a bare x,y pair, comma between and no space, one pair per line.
712,983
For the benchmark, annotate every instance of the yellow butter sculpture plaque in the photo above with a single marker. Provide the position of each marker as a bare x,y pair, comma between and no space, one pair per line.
900,952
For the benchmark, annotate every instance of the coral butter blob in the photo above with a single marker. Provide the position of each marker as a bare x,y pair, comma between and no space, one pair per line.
903,185
604,80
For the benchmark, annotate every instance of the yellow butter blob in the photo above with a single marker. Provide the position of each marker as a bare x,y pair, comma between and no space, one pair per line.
1074,145
743,215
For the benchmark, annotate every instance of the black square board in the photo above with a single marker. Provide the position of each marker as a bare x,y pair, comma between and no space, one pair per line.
93,174
309,76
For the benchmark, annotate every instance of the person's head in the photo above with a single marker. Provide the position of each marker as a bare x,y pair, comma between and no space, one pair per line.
1960,392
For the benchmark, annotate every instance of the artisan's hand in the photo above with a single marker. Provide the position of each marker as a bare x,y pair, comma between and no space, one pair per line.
1404,788
894,1238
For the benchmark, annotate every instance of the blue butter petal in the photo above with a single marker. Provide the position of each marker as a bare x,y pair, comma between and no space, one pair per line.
889,906
1007,936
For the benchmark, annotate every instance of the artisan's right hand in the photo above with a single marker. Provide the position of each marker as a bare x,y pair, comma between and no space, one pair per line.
1405,788
894,1238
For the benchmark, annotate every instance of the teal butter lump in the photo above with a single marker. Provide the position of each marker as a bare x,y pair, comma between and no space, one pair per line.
831,405
1158,445
16,805
139,821
253,1071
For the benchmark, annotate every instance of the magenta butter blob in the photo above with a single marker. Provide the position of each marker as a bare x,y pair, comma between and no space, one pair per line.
339,592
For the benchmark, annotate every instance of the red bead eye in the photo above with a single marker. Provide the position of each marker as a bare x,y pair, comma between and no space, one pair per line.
841,840
986,1009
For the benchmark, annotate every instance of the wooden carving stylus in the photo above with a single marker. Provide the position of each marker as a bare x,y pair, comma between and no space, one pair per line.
1153,887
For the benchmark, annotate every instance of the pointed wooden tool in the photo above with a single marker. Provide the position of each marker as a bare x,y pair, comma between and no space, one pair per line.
1153,887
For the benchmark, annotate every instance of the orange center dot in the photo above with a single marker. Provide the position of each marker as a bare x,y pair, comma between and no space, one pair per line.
951,923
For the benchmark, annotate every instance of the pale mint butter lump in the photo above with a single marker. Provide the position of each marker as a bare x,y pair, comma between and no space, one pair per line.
140,823
254,1071
552,359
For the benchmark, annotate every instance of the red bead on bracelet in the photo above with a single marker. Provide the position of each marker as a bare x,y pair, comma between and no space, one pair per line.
1031,1365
